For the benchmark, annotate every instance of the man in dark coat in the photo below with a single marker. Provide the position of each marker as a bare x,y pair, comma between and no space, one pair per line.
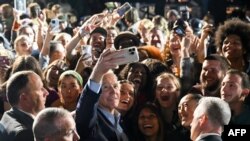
26,95
96,116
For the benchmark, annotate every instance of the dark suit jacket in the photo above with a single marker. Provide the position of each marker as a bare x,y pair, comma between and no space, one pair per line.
18,125
211,138
91,123
2,133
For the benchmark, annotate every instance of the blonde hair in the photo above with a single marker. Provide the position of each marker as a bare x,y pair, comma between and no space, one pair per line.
171,77
147,24
19,38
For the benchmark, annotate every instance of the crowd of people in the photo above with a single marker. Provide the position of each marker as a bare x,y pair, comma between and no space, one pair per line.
61,81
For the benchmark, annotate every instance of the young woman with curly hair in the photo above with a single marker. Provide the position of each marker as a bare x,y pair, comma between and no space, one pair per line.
233,41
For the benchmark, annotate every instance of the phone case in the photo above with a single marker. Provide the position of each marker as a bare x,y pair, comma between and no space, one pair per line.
123,9
20,5
130,54
54,23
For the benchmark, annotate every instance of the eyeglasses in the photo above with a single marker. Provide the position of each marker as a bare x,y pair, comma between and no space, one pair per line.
63,133
70,132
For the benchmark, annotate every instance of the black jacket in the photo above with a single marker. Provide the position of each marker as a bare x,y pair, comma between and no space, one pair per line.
18,125
91,123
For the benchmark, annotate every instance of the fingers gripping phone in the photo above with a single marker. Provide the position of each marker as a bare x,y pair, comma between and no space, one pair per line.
179,31
129,54
55,25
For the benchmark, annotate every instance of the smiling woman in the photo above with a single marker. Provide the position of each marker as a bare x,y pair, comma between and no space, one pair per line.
23,45
126,107
232,40
167,92
139,74
150,124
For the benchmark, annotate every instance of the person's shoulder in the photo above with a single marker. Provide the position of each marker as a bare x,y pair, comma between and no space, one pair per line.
25,134
8,115
243,118
10,119
211,138
13,127
197,88
57,103
15,117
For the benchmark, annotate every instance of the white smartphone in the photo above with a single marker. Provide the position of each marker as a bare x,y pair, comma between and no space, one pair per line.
20,5
129,54
55,25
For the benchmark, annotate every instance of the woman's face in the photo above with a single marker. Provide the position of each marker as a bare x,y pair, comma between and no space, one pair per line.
232,47
24,47
52,75
30,33
127,97
138,75
174,45
157,38
69,89
148,123
144,33
166,93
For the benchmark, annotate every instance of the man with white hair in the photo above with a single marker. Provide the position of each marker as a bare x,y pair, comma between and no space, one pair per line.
96,116
209,119
55,124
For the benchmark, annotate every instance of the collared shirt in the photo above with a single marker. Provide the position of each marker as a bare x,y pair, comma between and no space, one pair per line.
95,87
205,135
26,113
114,119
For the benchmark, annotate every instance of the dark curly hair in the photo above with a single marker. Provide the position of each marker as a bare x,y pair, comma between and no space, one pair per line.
147,89
233,26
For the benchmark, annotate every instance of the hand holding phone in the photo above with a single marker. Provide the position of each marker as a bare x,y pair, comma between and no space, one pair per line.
20,5
127,55
55,25
124,9
180,32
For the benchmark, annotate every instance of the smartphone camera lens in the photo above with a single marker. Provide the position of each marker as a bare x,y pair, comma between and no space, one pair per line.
132,49
178,31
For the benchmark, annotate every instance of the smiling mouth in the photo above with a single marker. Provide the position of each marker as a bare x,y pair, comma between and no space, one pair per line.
124,101
148,126
176,48
136,81
225,95
165,98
